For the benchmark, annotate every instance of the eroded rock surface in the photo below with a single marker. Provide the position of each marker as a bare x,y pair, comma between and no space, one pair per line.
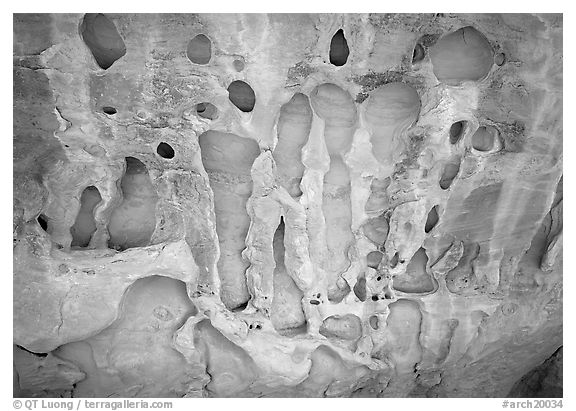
250,205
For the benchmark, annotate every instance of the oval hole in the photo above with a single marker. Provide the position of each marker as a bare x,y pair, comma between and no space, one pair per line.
432,219
43,221
339,50
242,95
238,65
500,59
109,110
207,110
484,138
165,150
100,35
199,49
373,259
456,131
449,174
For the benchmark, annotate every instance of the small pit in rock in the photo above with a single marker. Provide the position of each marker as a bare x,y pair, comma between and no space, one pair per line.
484,138
109,110
207,110
43,221
242,96
165,150
457,131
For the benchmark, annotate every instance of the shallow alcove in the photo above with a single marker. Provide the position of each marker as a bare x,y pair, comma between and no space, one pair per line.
449,173
457,131
373,259
133,222
199,49
499,59
109,110
360,288
339,50
415,279
207,110
242,95
484,138
165,150
238,65
463,55
85,225
102,38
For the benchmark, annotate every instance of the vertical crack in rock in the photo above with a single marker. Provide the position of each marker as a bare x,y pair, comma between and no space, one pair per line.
293,128
102,38
133,222
463,55
287,315
85,225
228,160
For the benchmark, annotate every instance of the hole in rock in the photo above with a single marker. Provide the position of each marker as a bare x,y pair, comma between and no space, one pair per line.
415,279
133,222
228,160
464,55
338,291
85,225
242,96
339,50
165,150
238,65
207,110
500,59
456,131
360,288
100,35
418,54
484,138
394,261
287,314
432,219
376,229
373,259
293,128
199,49
449,174
43,221
109,110
314,302
373,321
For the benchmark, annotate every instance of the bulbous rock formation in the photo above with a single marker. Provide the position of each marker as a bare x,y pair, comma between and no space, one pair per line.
274,205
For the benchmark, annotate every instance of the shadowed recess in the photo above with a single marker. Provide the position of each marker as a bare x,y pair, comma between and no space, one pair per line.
85,224
390,111
339,50
415,279
287,315
293,127
207,110
100,35
165,150
403,332
418,54
346,327
242,96
109,110
484,138
456,131
450,172
432,219
43,221
464,55
199,49
133,222
228,160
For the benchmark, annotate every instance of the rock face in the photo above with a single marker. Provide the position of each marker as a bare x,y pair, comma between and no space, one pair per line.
287,205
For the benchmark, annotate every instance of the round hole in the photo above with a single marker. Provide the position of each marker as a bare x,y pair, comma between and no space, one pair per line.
456,131
207,110
242,95
238,65
418,54
375,298
199,49
500,59
109,110
484,138
165,150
